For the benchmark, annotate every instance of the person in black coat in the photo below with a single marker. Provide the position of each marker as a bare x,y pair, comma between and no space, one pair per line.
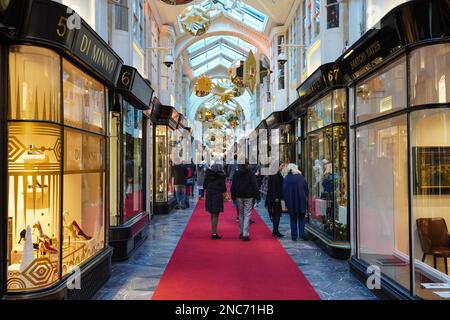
215,188
273,200
180,173
244,190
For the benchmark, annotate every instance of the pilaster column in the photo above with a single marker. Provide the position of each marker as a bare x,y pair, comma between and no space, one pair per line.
167,75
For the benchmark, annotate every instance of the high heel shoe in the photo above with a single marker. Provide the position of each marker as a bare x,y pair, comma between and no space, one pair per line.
44,247
38,226
80,232
22,235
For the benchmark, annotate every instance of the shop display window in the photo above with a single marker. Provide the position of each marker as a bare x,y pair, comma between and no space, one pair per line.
286,142
430,74
339,104
34,84
134,151
84,197
319,176
34,169
34,163
431,199
382,197
382,93
84,208
340,183
84,100
163,164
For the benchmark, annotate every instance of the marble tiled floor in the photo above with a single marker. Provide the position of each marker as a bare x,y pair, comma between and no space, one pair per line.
138,277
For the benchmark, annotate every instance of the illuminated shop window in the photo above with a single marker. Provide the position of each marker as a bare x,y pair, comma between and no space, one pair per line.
332,14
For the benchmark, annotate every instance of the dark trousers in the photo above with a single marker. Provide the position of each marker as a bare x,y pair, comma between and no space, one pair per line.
275,215
297,225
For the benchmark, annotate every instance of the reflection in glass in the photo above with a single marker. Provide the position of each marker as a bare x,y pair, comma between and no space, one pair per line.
84,100
134,162
382,197
430,74
382,93
319,114
33,246
431,198
34,84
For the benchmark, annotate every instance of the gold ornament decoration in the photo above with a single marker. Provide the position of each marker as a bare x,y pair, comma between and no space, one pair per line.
203,86
233,74
225,98
195,21
251,72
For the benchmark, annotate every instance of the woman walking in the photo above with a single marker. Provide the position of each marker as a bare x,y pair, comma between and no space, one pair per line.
273,200
295,195
215,189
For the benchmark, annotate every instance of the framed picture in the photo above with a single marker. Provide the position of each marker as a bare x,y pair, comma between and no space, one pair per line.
431,170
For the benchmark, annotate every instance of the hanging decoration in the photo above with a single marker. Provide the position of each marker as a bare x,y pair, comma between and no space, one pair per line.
195,21
235,74
251,72
176,2
203,86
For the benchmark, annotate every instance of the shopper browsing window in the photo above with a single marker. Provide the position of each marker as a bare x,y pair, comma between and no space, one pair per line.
244,190
273,199
295,195
179,180
215,188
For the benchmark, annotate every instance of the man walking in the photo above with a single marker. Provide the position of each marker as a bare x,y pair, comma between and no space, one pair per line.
180,174
244,191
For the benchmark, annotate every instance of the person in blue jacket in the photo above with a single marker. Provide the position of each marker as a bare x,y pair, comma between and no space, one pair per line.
295,195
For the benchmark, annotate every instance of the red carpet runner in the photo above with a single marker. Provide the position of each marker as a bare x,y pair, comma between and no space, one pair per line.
231,269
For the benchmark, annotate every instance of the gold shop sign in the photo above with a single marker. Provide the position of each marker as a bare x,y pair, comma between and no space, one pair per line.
89,48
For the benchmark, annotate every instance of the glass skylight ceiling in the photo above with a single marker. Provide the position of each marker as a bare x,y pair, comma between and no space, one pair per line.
213,51
248,15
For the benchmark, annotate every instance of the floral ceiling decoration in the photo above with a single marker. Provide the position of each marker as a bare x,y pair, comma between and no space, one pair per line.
203,86
195,20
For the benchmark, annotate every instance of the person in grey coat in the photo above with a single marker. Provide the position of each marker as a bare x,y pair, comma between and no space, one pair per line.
201,171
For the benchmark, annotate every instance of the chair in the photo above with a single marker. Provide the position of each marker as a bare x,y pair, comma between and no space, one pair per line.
434,239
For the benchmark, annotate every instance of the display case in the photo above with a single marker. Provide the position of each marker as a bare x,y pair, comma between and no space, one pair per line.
165,121
400,120
54,216
130,108
323,131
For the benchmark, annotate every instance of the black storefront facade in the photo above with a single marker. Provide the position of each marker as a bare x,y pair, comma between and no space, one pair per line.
398,78
322,135
54,186
165,121
130,210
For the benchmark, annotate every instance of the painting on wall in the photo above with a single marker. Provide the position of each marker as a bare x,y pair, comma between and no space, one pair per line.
431,167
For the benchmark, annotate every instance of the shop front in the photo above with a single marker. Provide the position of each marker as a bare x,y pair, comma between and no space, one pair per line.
399,80
325,148
295,117
284,138
54,184
128,148
165,121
